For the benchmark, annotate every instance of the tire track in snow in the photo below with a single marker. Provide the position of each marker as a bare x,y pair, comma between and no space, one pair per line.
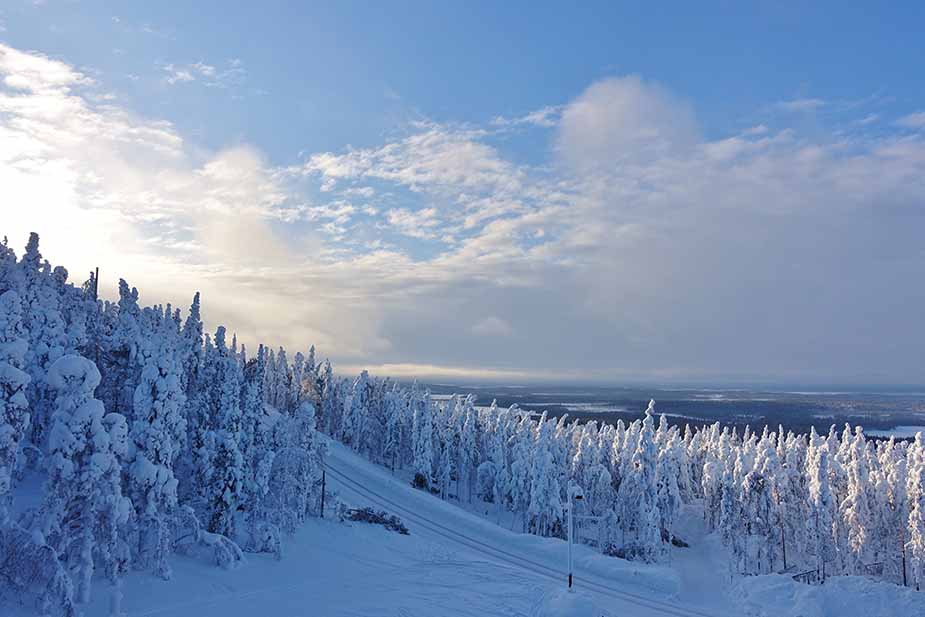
511,558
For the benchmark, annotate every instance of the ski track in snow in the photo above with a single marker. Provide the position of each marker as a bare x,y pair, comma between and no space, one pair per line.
427,514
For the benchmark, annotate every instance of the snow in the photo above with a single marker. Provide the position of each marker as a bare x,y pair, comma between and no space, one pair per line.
73,368
241,437
350,569
564,604
13,378
776,595
896,431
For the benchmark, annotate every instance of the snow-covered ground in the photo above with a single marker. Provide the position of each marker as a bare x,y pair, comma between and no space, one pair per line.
904,432
776,595
456,562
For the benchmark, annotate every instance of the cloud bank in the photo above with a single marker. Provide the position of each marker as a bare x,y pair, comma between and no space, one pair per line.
638,249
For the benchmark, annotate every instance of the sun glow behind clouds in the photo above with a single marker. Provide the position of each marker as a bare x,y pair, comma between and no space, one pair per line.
639,248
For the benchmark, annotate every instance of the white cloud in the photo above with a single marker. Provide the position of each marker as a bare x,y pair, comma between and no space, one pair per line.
466,181
759,129
492,326
363,191
912,121
642,249
433,158
210,76
546,117
800,105
620,121
414,223
177,75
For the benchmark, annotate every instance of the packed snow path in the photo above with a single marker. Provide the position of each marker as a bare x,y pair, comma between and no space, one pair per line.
542,558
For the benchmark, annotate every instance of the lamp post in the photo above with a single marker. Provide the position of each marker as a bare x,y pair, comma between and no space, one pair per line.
574,494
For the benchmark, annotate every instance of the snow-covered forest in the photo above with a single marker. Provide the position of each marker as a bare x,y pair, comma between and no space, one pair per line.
151,437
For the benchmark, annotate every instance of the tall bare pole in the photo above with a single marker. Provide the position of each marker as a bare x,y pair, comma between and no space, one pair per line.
96,297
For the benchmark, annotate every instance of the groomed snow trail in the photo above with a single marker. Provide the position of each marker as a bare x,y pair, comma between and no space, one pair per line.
543,558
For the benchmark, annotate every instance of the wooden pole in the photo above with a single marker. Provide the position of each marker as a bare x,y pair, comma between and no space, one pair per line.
322,492
783,543
96,297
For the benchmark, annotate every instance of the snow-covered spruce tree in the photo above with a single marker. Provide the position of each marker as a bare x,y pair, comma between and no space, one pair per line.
856,507
487,472
668,496
545,507
446,467
447,443
602,500
47,335
587,455
271,378
392,445
791,495
374,426
756,510
711,486
733,523
469,452
225,474
311,367
915,547
353,426
686,479
769,465
122,366
158,431
83,507
9,271
895,516
191,345
258,424
406,429
281,383
295,479
14,407
600,495
191,466
521,446
423,438
638,495
296,382
330,405
823,509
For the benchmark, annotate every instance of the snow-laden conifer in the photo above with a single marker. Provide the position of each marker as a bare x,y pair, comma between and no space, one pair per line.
84,507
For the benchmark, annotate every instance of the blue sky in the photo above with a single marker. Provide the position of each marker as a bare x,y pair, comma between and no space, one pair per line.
727,191
319,76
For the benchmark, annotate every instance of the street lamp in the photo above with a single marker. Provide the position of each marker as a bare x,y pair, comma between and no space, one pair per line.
575,493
